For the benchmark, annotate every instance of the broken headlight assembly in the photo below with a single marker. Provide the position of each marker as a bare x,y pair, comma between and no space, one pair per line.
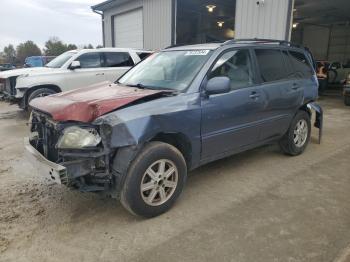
78,138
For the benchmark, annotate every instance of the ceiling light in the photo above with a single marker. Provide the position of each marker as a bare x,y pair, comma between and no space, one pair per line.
220,23
211,8
295,25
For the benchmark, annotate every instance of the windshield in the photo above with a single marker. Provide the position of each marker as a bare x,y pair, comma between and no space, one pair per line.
167,70
60,60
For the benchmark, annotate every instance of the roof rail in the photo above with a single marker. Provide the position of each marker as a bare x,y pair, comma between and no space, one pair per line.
261,40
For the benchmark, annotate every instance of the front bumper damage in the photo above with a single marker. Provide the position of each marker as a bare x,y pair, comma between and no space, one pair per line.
43,166
80,171
87,170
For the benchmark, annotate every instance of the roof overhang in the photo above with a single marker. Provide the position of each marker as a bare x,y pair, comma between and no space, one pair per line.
108,4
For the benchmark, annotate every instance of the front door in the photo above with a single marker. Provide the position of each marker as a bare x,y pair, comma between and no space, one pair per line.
230,121
90,72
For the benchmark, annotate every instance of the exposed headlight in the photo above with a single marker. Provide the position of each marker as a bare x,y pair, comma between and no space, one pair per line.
76,138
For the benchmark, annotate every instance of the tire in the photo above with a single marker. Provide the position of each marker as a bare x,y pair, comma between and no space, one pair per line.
347,100
159,193
41,92
288,144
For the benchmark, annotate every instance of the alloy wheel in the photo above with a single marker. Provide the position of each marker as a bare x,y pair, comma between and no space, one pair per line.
159,182
301,132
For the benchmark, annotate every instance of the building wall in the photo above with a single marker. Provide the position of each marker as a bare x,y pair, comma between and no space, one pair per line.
157,19
157,22
326,43
108,18
316,38
339,46
271,20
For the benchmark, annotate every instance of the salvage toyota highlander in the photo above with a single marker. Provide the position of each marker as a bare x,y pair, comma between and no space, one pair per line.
136,139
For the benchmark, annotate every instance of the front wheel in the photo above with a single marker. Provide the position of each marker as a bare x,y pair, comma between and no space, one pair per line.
41,92
297,137
154,180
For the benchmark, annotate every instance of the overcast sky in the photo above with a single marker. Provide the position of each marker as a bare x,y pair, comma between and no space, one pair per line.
70,20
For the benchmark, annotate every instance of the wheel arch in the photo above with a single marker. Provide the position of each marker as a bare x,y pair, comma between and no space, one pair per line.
55,88
305,108
178,140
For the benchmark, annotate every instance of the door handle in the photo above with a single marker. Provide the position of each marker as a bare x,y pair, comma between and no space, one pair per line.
100,74
254,95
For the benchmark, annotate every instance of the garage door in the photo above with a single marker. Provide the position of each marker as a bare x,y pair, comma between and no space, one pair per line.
128,29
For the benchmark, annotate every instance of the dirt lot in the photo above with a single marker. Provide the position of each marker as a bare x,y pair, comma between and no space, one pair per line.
256,206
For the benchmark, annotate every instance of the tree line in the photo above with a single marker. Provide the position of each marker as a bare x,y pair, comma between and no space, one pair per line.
53,47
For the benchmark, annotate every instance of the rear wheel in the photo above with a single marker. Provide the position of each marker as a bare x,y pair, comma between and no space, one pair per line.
154,180
297,137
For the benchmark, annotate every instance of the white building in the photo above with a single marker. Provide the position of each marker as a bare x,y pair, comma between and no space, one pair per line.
322,25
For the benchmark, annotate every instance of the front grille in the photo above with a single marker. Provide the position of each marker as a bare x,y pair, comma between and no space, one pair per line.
12,86
47,137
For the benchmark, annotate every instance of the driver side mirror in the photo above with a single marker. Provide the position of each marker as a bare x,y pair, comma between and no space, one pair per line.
74,65
218,85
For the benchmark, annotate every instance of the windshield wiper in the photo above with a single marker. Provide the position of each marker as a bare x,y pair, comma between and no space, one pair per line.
140,86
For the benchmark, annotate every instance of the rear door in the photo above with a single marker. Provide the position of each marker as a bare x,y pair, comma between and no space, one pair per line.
281,89
231,121
90,72
305,78
116,64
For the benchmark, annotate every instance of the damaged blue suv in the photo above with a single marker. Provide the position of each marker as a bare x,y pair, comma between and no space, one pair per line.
136,139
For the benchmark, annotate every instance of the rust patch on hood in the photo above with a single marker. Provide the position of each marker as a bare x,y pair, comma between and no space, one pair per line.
87,104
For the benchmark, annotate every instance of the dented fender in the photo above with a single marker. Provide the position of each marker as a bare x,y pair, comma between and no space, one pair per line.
140,123
319,118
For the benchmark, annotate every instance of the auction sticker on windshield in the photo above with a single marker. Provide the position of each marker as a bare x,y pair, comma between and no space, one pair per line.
197,52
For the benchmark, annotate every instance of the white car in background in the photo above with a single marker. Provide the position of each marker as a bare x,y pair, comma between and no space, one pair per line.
71,70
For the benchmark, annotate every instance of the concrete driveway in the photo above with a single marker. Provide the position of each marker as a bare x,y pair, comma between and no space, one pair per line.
257,206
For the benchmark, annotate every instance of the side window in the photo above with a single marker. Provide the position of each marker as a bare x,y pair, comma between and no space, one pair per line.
90,60
143,56
301,64
271,65
237,66
289,64
118,59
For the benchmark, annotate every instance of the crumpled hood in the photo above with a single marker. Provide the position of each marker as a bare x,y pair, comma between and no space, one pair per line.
24,71
86,104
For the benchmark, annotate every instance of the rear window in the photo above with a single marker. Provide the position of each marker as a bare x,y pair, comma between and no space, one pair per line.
301,65
118,59
271,65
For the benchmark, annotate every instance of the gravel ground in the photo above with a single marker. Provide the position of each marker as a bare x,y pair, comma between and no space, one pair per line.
257,206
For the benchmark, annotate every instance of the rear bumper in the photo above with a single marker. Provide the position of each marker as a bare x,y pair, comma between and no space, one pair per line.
43,166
